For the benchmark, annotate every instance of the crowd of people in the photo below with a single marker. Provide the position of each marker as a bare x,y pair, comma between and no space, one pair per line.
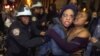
39,31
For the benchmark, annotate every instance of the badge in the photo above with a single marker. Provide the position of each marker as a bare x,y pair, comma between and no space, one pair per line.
16,32
34,19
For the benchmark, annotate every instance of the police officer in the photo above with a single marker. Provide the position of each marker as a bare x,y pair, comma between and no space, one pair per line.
36,18
20,39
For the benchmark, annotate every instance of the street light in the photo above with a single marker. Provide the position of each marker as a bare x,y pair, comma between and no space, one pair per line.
29,2
84,9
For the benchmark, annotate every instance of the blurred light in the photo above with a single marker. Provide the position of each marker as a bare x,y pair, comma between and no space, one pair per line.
11,9
7,6
29,2
84,9
13,6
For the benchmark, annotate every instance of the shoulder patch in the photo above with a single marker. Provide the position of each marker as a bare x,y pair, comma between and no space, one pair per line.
16,32
34,19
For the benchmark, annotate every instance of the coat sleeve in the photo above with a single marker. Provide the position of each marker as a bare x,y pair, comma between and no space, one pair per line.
69,47
23,39
35,30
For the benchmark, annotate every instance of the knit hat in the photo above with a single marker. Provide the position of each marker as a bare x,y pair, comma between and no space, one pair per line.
69,6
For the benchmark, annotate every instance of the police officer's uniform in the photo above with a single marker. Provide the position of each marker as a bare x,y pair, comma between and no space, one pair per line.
20,38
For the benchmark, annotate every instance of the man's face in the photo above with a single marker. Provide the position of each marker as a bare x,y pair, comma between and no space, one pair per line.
25,20
67,17
37,10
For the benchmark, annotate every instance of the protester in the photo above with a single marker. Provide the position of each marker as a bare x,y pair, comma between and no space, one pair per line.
77,37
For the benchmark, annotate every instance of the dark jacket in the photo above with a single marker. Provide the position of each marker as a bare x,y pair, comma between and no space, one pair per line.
92,25
57,26
20,39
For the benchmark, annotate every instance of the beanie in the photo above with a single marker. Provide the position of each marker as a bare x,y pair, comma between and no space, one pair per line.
69,6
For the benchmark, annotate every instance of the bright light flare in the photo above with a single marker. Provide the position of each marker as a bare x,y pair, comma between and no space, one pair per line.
7,6
84,9
29,2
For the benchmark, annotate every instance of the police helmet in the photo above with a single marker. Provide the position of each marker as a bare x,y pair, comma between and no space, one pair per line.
24,11
38,4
